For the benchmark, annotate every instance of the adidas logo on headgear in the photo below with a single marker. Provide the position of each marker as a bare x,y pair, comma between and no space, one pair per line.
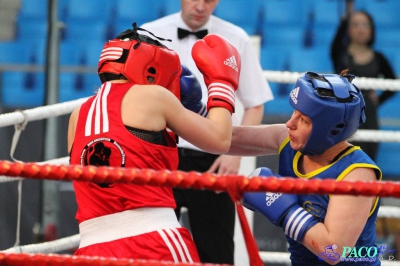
231,61
294,93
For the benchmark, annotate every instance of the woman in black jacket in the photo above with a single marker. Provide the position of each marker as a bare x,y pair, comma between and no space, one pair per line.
352,49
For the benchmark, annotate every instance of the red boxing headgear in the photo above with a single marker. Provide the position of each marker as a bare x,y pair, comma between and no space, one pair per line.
142,60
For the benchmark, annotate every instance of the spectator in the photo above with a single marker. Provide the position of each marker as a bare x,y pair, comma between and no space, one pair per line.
352,49
212,215
124,125
313,144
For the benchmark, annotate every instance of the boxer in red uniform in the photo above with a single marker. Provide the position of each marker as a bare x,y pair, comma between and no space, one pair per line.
144,93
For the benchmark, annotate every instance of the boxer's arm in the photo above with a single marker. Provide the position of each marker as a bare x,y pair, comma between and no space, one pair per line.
257,140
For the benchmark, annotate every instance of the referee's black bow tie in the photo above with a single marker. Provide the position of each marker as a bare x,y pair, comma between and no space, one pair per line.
184,33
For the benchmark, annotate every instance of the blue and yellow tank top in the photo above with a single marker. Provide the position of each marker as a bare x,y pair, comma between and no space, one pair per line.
317,205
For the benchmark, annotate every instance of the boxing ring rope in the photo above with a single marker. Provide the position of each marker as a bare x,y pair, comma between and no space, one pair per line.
234,184
361,82
237,184
58,109
67,260
19,259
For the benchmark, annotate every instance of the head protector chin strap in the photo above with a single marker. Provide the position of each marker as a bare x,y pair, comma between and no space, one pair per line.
141,59
335,106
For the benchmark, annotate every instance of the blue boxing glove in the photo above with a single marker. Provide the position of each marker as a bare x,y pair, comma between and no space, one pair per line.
280,209
191,93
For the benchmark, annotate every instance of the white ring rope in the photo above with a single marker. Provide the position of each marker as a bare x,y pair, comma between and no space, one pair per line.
361,82
272,76
72,242
39,113
58,109
377,135
59,245
284,258
389,212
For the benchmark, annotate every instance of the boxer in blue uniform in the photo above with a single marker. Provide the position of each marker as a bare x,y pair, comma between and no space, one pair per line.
320,229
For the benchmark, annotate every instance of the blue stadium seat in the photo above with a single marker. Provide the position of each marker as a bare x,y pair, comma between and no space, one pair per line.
31,29
395,61
22,90
93,52
89,10
138,11
390,110
92,83
285,12
71,53
83,52
243,13
278,107
315,59
274,57
170,7
79,84
323,35
122,24
388,51
280,90
62,9
12,52
392,55
33,10
388,160
387,37
282,35
74,86
361,5
385,13
66,91
22,52
326,12
388,153
75,30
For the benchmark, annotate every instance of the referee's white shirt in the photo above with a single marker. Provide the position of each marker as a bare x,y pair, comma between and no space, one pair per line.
253,87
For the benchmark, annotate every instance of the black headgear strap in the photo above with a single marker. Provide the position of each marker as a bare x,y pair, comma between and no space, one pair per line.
133,34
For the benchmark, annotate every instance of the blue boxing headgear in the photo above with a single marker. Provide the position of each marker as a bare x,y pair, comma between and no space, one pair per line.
335,106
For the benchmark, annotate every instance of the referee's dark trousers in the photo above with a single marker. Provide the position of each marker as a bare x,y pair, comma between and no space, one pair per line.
211,215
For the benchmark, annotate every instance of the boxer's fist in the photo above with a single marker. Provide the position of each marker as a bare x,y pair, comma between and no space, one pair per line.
280,209
273,205
219,62
191,93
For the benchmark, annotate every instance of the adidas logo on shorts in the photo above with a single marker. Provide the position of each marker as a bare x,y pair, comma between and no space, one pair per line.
270,197
231,61
294,93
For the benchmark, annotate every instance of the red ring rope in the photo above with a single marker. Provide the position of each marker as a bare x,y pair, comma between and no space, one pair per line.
236,185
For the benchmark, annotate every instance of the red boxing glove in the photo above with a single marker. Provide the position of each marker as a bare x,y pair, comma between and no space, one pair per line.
219,62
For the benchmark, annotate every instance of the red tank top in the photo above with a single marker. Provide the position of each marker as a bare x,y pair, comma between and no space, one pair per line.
101,139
